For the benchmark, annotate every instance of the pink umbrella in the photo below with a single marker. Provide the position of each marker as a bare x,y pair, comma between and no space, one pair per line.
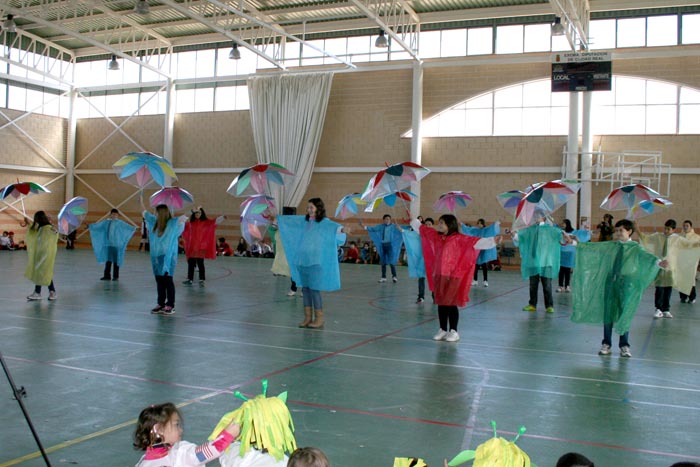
393,179
174,197
452,200
254,180
72,215
543,199
348,206
648,207
256,216
625,197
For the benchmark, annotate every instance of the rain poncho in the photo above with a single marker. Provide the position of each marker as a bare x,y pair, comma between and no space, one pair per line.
376,233
485,256
279,264
682,255
609,282
199,237
540,251
414,253
449,265
312,251
41,254
568,251
109,240
164,248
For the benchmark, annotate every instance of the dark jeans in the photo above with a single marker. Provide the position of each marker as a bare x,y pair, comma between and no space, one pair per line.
485,268
546,289
607,336
111,268
662,298
421,287
564,276
166,290
293,287
191,263
37,288
386,253
688,298
448,313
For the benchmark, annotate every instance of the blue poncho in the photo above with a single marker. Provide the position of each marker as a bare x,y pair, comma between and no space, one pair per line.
376,233
485,256
109,239
311,249
164,247
568,251
414,253
540,251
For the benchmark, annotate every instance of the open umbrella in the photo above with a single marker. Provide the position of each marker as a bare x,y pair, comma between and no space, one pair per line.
256,215
72,214
21,190
393,179
509,200
144,169
452,200
544,198
348,206
624,198
648,207
254,180
390,199
174,197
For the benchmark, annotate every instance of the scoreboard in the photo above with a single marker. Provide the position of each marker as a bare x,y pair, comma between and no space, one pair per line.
581,71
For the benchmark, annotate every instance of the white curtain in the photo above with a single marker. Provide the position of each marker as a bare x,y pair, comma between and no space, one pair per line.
287,113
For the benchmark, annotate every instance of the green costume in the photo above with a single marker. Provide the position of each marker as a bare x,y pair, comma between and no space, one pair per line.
41,254
540,251
609,282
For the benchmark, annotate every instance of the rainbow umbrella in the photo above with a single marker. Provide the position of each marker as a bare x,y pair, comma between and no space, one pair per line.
21,190
144,169
648,207
256,216
72,214
452,200
348,206
254,180
626,197
544,198
509,200
393,179
174,197
390,199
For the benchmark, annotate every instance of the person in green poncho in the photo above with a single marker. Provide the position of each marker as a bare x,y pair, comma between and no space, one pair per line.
609,282
42,240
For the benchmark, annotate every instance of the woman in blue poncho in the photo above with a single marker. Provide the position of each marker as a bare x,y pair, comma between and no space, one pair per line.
310,243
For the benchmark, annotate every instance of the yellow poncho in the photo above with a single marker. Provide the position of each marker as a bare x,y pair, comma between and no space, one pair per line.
41,254
682,255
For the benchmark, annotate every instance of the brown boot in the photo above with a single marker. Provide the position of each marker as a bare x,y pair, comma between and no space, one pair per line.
307,317
318,320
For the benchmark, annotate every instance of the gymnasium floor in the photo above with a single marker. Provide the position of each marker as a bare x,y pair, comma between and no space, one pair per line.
371,386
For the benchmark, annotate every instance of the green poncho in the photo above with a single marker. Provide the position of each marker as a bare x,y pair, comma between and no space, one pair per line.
609,282
41,254
540,251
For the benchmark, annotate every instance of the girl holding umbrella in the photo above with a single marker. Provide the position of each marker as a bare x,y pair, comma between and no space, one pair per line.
42,240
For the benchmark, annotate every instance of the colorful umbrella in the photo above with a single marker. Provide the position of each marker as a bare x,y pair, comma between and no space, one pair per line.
648,207
348,206
393,179
390,199
452,200
543,199
625,197
21,190
72,214
174,197
144,169
509,200
256,216
254,180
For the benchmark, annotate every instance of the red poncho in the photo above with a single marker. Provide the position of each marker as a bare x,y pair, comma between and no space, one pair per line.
199,239
449,265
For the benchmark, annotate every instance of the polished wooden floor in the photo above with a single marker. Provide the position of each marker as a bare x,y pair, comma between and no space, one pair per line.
371,386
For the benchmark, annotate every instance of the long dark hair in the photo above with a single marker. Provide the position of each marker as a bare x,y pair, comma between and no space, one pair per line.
451,223
40,220
320,209
567,226
162,217
146,434
202,216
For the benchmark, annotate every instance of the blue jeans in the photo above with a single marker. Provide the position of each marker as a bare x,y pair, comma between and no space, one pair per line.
607,336
421,287
386,254
312,298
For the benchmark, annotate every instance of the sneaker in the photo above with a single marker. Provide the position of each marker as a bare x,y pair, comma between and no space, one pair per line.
383,279
658,314
486,283
291,293
452,336
692,301
187,282
625,351
52,295
105,278
683,300
604,350
168,310
667,314
560,289
201,283
568,289
34,296
157,310
115,279
394,280
550,309
420,300
529,308
440,336
474,283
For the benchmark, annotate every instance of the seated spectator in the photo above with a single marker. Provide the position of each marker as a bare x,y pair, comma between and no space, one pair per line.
223,248
13,245
5,242
266,250
242,248
352,255
365,253
374,256
574,459
256,250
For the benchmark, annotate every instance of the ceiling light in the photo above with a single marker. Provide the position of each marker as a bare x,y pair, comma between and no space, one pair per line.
142,7
234,54
113,64
381,41
9,24
557,27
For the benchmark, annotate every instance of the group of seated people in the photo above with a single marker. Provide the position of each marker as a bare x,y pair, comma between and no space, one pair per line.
259,249
7,242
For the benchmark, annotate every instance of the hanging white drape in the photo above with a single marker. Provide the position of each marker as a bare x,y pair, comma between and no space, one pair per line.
287,113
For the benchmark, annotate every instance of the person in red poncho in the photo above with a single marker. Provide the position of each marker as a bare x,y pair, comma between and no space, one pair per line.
450,259
200,244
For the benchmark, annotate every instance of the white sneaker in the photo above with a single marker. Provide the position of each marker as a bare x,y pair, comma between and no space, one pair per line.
475,283
291,293
658,314
692,301
560,289
34,296
452,336
440,336
486,283
604,350
52,295
667,314
394,279
383,279
625,351
568,289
